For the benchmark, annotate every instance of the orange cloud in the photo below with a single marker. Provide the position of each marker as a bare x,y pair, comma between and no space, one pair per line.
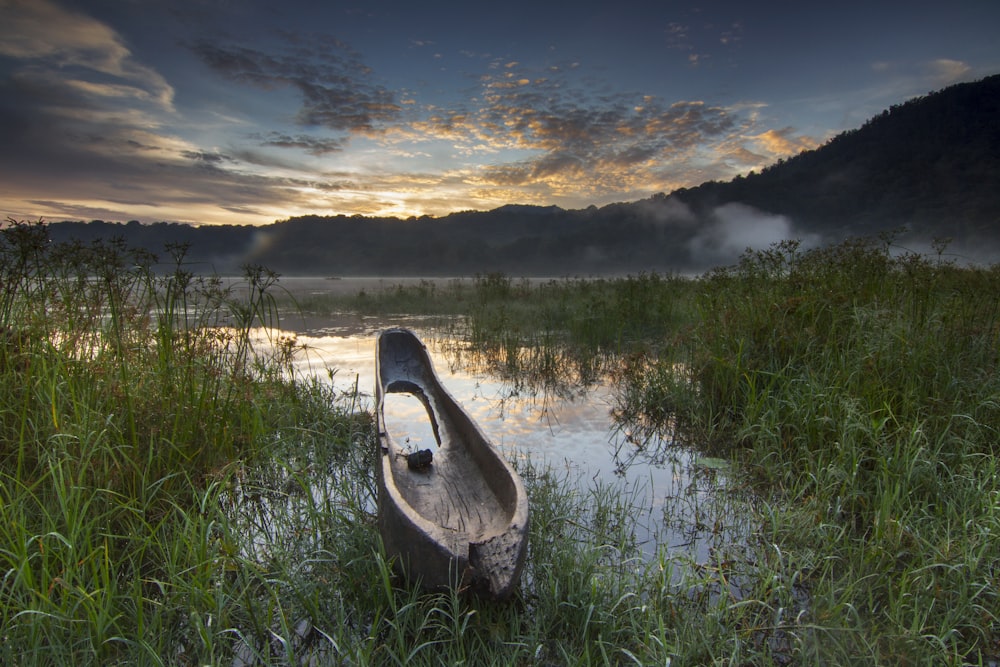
783,142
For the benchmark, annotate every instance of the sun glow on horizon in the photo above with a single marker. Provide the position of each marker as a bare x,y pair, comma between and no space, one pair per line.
143,114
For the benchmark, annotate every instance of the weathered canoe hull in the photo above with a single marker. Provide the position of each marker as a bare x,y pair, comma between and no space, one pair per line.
462,520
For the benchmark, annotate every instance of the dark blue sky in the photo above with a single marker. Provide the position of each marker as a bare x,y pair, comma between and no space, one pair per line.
247,111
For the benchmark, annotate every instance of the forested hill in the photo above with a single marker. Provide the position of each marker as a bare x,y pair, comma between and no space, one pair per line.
931,164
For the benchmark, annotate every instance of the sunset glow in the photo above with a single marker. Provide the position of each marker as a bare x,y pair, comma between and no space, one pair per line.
215,113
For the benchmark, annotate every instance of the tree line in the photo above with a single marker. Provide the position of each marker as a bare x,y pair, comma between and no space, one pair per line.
929,165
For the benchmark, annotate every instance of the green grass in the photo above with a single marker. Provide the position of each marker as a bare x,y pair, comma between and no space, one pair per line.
133,406
858,389
171,493
426,297
540,336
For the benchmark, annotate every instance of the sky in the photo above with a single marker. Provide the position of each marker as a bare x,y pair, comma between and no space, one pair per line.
251,111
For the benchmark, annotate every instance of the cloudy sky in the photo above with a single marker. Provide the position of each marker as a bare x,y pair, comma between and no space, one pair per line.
248,111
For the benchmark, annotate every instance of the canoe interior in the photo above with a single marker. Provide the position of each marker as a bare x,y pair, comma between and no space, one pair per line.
461,520
463,489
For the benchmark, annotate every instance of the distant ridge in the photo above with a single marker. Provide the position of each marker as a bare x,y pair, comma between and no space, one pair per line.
527,209
930,165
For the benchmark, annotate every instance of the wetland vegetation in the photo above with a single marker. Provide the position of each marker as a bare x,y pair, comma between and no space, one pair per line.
172,493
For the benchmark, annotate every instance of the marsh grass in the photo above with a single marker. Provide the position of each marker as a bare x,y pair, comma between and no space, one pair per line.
858,388
131,400
551,336
561,337
171,493
425,297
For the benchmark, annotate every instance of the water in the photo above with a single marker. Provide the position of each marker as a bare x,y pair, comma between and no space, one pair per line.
686,508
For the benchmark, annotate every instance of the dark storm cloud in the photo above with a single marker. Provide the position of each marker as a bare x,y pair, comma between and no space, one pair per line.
336,87
83,119
68,211
47,128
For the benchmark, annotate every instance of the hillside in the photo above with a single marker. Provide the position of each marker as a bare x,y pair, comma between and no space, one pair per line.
931,165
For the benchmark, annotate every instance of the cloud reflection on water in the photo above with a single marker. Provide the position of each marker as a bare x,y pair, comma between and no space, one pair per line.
683,505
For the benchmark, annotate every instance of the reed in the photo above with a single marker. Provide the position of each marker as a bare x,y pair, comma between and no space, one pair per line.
438,297
857,388
562,337
132,399
171,493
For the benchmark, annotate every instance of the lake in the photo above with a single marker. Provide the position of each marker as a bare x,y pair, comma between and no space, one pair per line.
685,503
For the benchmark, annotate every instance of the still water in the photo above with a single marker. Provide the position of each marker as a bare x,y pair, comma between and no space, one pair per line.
684,504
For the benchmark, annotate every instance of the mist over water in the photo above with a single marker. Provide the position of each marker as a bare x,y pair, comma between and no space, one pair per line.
736,227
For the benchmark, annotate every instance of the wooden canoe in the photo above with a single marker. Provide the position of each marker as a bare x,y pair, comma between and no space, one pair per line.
457,516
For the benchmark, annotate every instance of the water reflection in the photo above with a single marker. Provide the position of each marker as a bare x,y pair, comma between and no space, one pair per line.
541,371
563,421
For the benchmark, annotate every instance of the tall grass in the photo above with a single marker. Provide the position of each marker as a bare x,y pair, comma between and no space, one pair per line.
562,337
601,314
171,494
130,402
436,297
858,387
556,337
